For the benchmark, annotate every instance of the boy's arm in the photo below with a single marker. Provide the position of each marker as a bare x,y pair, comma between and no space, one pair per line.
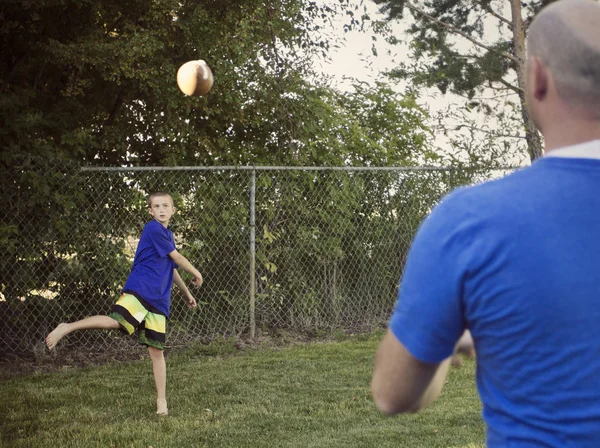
184,264
181,285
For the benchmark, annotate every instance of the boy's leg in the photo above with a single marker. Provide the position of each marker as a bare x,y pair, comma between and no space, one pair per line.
152,333
159,368
94,322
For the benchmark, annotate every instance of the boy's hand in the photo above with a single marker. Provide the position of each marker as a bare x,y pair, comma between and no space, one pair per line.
191,302
198,280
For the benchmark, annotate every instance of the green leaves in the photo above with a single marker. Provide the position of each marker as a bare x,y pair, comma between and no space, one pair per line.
93,83
472,49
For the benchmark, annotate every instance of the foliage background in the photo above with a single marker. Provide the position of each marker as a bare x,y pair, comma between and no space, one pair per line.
86,84
330,246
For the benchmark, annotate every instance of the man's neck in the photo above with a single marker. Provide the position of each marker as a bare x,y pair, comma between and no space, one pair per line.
567,133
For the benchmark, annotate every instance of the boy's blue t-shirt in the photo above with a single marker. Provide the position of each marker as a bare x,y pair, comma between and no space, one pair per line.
151,275
516,261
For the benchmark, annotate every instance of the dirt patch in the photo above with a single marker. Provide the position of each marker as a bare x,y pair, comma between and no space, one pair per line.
73,356
26,364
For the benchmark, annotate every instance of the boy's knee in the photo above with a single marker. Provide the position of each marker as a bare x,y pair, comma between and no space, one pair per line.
155,352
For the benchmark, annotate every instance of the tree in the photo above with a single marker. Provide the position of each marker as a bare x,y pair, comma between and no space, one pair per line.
489,63
93,83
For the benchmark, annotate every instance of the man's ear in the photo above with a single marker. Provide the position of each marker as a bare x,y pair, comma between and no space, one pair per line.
539,77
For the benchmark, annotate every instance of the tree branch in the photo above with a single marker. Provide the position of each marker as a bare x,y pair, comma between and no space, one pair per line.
487,131
500,89
487,98
13,70
518,90
455,30
113,113
489,9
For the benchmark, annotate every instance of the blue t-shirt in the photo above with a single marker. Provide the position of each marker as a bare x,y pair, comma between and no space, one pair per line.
151,275
516,261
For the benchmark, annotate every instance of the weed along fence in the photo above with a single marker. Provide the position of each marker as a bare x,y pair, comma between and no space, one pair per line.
280,248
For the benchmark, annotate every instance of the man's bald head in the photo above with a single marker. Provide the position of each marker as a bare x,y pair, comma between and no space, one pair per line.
565,37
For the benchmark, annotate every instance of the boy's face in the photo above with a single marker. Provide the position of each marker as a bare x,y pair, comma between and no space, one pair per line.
161,209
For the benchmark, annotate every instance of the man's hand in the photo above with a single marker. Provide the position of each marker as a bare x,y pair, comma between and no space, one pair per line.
464,346
198,280
191,302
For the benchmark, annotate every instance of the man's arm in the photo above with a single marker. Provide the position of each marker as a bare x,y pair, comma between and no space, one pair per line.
182,286
184,264
402,383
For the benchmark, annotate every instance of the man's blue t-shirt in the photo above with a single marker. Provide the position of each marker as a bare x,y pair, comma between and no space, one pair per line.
151,275
517,262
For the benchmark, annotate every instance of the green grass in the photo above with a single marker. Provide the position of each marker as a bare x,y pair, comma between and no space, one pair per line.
312,395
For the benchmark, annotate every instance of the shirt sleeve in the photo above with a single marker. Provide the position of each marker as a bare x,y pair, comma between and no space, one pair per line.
162,240
428,318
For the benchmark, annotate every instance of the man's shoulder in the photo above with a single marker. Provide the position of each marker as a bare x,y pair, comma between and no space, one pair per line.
494,192
489,203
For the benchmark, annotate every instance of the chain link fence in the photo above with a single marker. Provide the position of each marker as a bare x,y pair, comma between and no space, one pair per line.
301,249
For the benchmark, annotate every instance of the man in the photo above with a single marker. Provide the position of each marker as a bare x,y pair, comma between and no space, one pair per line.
516,262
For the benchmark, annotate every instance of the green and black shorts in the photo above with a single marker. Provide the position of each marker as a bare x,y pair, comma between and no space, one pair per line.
134,315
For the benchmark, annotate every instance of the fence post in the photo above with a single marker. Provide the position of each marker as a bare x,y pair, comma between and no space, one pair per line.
252,253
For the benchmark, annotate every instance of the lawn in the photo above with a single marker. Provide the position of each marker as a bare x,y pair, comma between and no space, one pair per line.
309,395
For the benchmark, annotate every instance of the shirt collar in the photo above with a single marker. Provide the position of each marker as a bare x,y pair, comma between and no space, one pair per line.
587,150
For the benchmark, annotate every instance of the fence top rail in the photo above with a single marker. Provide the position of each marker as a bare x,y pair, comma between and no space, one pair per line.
291,168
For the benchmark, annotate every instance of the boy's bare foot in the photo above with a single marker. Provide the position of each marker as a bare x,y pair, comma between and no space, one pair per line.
56,335
161,407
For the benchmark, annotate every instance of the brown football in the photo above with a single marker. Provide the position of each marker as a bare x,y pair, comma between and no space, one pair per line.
195,78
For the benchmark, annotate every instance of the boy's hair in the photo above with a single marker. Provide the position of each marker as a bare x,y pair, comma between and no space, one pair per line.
157,194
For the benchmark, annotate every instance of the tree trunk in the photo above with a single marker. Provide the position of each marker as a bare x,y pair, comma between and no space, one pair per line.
534,141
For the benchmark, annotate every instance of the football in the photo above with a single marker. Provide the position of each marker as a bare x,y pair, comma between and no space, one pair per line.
195,78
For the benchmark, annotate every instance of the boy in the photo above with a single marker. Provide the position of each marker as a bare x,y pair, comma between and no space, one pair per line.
145,300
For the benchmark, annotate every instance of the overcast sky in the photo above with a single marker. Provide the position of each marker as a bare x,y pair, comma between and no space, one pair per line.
354,59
